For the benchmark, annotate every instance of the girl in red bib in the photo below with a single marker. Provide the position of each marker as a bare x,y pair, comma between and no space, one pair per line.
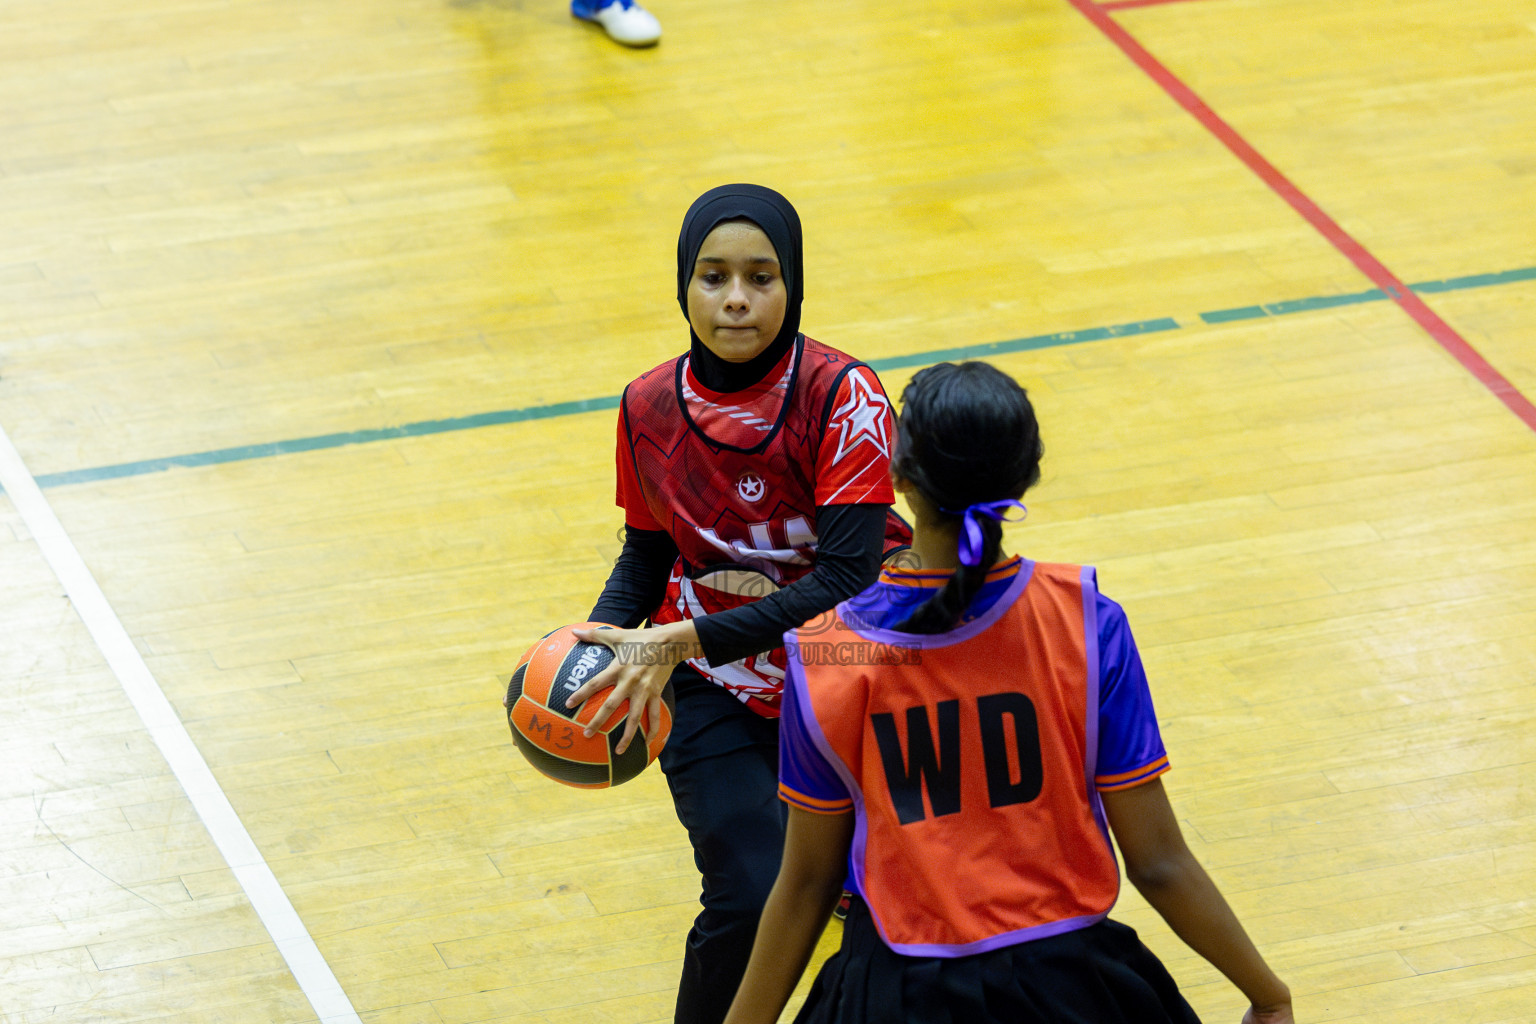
754,474
961,744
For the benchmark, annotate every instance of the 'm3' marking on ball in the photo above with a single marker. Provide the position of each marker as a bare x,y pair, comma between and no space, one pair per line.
546,729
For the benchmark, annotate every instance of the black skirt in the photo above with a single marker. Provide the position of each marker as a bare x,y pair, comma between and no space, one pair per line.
1101,974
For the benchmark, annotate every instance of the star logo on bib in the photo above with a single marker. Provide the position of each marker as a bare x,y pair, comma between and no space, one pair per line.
751,486
862,418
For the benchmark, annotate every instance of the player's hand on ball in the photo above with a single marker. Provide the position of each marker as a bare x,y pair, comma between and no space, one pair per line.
643,662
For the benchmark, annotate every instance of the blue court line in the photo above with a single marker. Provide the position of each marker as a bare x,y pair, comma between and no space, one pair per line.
423,428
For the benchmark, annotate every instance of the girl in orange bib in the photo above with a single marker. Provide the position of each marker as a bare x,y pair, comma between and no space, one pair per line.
960,741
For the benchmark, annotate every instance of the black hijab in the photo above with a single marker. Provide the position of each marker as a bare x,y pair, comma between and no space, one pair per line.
778,220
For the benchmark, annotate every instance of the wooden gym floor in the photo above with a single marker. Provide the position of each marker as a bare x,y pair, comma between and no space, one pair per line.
312,319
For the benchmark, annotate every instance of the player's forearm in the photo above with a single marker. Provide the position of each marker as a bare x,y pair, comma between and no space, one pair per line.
638,579
792,922
1179,889
847,561
675,642
760,626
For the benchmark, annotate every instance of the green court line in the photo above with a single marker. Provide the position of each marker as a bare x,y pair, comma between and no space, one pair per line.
1024,344
1450,284
246,452
423,428
1222,316
1456,284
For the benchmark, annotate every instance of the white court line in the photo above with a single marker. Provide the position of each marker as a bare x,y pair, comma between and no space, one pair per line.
272,905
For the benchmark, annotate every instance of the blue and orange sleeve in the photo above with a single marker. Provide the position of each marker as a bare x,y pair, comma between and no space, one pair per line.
1125,780
806,779
1131,748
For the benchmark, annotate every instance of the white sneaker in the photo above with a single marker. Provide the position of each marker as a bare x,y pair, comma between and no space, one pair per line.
624,20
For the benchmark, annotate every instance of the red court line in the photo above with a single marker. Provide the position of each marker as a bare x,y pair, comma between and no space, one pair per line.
1341,240
1116,5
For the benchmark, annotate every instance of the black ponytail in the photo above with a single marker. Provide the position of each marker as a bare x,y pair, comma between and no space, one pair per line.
967,435
942,612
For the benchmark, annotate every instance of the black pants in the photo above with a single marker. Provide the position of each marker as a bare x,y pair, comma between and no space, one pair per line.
722,764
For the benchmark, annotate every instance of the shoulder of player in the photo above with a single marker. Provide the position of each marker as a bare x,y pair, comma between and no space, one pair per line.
1109,612
835,364
651,386
1064,572
835,378
817,348
1073,575
664,372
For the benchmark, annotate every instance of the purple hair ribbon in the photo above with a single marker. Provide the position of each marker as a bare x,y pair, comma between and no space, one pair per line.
971,539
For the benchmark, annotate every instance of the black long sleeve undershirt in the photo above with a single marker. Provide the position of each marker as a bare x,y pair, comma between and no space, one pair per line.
638,580
848,552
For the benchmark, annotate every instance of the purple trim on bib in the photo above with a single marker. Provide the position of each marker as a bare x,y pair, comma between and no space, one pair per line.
960,633
794,676
1091,640
1090,584
1039,931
